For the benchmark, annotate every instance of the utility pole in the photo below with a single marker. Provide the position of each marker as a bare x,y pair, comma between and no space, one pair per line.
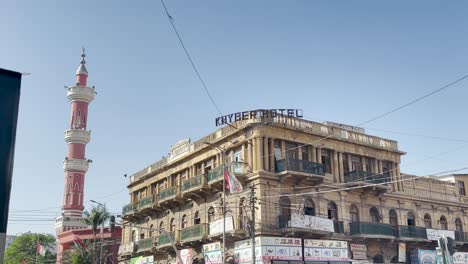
252,202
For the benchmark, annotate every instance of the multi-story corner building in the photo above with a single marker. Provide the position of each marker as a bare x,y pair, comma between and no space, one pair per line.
328,191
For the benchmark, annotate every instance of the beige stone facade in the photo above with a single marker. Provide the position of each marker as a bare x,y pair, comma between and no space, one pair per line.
299,168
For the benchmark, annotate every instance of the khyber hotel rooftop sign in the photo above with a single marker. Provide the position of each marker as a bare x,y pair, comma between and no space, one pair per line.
260,113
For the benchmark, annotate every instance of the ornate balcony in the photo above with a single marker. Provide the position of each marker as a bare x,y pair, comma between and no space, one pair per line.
75,165
461,237
359,177
77,136
372,230
170,196
412,233
195,187
146,244
82,94
165,240
216,175
129,211
148,204
194,233
299,170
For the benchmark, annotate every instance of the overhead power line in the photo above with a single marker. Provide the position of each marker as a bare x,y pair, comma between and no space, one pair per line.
171,19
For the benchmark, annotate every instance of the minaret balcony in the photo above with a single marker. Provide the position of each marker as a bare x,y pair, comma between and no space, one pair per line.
75,165
77,136
78,93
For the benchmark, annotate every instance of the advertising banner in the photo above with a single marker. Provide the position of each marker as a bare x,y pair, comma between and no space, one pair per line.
142,260
212,253
185,256
402,252
312,222
216,226
325,250
359,251
460,258
268,248
435,234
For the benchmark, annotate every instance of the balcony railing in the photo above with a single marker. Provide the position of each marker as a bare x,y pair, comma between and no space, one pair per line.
145,244
196,232
146,202
461,236
195,182
168,193
412,232
300,166
128,209
164,239
216,174
378,229
365,176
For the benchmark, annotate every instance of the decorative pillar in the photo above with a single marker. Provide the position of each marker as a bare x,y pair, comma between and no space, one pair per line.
266,154
272,153
259,155
314,154
340,164
336,173
319,154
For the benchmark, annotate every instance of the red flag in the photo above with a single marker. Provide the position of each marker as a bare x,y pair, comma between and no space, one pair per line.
82,244
226,178
232,183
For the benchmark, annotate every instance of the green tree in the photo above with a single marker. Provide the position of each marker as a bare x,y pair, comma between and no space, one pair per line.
25,247
78,255
95,218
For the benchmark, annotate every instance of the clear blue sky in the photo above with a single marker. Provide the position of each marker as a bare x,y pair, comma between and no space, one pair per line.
343,61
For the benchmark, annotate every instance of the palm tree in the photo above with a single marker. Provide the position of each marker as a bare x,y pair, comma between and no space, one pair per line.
96,217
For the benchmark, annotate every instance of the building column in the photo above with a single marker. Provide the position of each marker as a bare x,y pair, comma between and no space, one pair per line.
380,167
340,164
266,154
400,183
251,154
259,153
272,153
375,166
363,161
394,177
336,172
313,154
350,162
344,214
319,154
243,158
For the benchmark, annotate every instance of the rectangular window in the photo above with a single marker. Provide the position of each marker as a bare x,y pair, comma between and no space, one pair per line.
278,153
305,152
292,151
461,188
345,163
237,156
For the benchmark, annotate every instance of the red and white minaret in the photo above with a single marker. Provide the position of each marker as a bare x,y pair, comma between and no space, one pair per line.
76,164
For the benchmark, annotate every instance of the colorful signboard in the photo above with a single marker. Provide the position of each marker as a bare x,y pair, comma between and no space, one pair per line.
216,226
185,256
325,250
359,251
435,234
312,222
142,260
212,253
402,252
268,248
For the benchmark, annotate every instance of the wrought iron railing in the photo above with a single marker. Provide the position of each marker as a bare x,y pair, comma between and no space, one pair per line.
164,239
412,232
145,244
362,228
236,167
168,193
461,236
128,209
300,166
146,202
365,176
195,182
194,232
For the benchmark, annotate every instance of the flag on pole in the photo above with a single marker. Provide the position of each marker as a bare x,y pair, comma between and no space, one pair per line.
41,250
232,183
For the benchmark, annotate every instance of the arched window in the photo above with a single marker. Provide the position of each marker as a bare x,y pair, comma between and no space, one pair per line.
285,207
184,221
196,218
443,223
354,213
332,211
458,225
411,219
211,214
309,207
374,215
172,225
133,238
393,217
151,231
142,234
161,226
427,221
